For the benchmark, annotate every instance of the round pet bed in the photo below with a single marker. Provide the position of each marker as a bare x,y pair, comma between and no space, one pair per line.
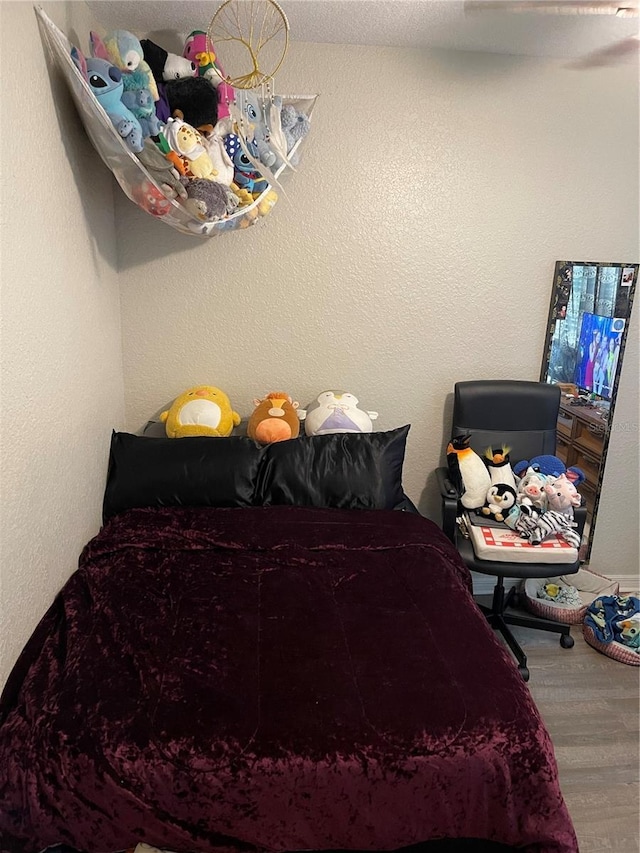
559,612
614,650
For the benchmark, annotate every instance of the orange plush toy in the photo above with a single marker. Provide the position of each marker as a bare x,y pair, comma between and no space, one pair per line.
274,419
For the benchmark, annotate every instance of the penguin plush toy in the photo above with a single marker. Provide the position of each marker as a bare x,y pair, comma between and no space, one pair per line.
499,466
499,500
467,472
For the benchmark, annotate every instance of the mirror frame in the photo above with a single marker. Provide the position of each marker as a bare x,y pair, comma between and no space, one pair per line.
561,309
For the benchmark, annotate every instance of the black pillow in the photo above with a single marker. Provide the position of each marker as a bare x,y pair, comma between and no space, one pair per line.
341,470
195,471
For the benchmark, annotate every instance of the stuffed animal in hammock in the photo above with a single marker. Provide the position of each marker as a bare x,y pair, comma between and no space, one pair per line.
187,143
208,201
105,81
161,169
124,50
199,49
295,126
164,65
140,102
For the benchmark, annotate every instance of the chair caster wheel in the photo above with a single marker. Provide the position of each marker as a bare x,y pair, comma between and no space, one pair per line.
566,641
524,672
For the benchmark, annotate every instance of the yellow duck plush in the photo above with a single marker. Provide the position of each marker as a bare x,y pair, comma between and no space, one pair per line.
202,410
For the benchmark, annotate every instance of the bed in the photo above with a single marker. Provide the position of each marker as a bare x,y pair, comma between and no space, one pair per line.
271,677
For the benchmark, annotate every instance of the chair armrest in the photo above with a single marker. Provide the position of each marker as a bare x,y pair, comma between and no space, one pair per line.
580,518
449,503
447,489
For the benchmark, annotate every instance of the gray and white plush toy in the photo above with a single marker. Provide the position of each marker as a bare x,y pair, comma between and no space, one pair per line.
161,170
336,411
209,200
295,125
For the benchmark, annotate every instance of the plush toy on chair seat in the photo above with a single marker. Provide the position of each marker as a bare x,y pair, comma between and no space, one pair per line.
550,466
531,489
467,472
499,466
562,495
202,410
500,499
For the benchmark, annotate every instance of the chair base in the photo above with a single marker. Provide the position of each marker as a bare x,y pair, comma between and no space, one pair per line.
500,620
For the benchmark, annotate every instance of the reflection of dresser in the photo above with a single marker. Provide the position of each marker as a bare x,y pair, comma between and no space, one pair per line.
580,442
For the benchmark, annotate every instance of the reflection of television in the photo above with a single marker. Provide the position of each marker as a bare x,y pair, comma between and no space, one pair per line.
598,353
589,299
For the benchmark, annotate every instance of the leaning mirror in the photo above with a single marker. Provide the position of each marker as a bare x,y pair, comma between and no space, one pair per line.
586,336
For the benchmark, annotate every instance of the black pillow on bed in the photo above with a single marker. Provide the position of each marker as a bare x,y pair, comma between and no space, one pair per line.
341,470
195,471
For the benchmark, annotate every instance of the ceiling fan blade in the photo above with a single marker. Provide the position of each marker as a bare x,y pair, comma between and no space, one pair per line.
613,54
620,8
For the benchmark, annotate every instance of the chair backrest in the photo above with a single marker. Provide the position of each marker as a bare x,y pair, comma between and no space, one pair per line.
522,415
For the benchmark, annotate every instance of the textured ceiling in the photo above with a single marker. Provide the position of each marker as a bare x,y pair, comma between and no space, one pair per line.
410,23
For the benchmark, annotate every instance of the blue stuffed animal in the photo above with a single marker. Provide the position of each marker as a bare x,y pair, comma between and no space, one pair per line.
295,126
550,466
244,173
253,108
124,50
615,618
106,84
141,104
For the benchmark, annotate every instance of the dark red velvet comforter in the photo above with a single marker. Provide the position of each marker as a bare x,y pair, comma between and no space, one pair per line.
282,679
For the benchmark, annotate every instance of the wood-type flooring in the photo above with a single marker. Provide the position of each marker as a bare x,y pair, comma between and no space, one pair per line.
590,705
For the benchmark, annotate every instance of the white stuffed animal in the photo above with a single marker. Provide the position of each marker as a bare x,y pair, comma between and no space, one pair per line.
336,411
531,489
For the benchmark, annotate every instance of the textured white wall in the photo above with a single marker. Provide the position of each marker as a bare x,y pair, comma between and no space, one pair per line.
61,382
416,247
617,535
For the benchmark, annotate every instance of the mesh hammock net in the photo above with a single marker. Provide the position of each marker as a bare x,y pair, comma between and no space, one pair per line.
255,186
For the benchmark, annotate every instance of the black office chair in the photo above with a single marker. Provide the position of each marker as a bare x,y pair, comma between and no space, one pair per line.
522,415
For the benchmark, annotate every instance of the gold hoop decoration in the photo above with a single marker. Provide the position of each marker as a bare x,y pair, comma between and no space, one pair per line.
250,34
